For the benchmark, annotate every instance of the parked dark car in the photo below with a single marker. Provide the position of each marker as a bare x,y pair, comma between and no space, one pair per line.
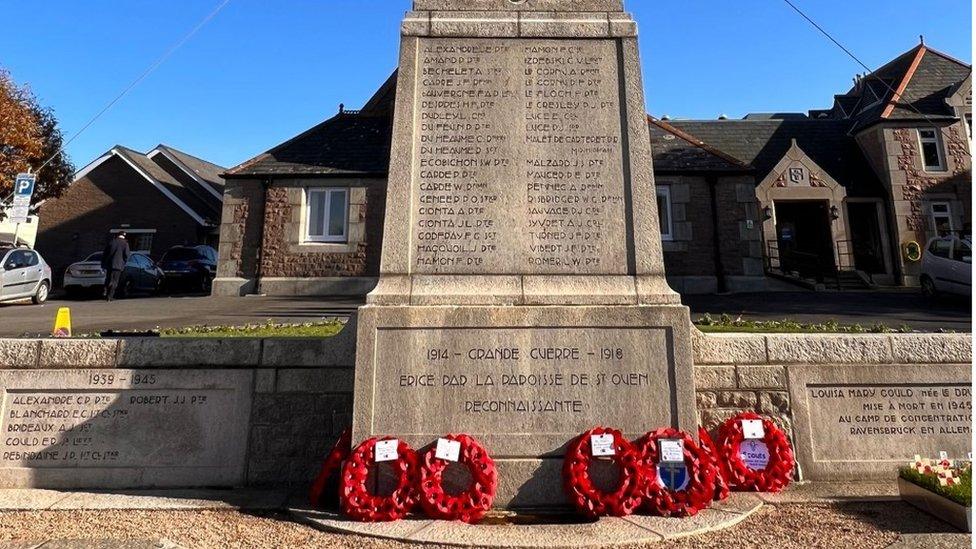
140,275
189,267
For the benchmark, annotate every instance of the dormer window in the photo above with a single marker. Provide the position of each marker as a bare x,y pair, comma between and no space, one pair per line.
933,156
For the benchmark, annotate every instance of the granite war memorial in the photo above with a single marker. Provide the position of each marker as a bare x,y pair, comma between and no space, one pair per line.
522,302
522,296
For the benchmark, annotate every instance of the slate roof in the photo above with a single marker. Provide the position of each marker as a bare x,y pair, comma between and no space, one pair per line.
913,86
763,143
677,151
350,144
203,208
207,171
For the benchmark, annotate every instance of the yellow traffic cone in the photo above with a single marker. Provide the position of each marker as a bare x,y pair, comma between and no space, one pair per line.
62,324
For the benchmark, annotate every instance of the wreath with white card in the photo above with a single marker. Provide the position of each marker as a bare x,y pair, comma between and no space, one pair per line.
679,475
474,503
355,497
589,499
757,455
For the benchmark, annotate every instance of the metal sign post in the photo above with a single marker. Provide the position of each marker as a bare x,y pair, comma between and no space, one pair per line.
20,208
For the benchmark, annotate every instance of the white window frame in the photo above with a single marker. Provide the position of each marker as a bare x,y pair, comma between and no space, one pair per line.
940,151
329,192
664,191
948,213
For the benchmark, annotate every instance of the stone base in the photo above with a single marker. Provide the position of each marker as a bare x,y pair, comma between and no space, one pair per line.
524,381
608,531
233,287
324,286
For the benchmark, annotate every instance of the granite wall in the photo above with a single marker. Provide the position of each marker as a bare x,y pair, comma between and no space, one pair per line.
298,394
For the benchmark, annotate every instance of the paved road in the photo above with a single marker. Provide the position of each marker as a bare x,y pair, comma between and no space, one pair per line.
894,308
90,316
865,308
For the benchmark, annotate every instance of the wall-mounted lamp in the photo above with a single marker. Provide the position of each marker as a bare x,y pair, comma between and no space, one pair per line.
767,213
834,213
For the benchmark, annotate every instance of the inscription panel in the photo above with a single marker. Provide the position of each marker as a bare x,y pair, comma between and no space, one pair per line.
523,390
125,420
854,421
518,158
890,421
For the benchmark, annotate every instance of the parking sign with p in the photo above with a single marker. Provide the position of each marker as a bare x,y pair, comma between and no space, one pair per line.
24,185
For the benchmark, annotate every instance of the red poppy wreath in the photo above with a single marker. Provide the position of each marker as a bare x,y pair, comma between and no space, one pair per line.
761,464
721,475
680,484
359,503
469,506
331,466
589,499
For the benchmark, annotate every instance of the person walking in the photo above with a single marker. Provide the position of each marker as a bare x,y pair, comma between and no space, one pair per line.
114,258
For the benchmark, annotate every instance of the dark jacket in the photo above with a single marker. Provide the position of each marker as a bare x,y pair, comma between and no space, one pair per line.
116,254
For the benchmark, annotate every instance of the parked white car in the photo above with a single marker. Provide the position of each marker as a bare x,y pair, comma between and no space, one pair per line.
947,266
23,275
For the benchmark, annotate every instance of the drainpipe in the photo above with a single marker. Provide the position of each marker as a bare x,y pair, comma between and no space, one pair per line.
259,270
722,287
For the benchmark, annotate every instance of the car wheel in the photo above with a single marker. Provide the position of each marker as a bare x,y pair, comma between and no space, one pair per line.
40,296
928,288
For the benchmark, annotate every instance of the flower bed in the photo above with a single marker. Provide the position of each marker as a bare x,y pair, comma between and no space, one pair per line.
941,488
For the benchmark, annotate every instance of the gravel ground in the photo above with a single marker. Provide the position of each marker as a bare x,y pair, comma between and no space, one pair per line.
801,526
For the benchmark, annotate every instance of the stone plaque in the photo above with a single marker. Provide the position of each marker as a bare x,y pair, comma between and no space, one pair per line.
526,380
519,161
525,385
126,428
863,420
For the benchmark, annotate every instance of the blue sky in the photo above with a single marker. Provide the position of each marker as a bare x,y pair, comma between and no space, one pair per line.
264,71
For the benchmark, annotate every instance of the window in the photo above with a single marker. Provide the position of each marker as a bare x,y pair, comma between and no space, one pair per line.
941,247
932,156
664,211
941,218
140,240
969,124
962,252
326,216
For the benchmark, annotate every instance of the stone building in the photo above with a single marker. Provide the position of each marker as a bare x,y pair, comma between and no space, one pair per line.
832,195
160,199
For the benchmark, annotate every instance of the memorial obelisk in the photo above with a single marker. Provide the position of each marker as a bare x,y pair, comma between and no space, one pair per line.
522,297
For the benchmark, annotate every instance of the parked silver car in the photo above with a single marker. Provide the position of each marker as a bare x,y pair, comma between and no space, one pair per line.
947,266
24,275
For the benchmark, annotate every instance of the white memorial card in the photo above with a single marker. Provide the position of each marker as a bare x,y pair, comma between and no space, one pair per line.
448,450
943,456
602,445
752,429
386,450
672,451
